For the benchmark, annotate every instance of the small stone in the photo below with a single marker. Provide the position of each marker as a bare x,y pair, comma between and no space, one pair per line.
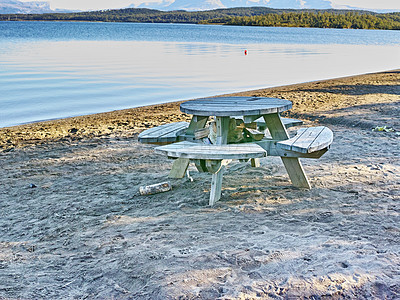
73,130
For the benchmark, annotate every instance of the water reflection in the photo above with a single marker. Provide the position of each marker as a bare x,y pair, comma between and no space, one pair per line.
53,79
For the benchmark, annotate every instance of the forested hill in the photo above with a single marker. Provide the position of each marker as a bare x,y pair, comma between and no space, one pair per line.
246,16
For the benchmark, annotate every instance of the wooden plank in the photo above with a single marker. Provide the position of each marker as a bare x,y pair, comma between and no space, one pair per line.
308,140
216,186
163,133
228,106
254,134
179,168
296,172
201,133
175,146
250,101
287,122
163,129
172,136
273,149
324,140
255,162
276,127
222,130
216,152
196,123
170,130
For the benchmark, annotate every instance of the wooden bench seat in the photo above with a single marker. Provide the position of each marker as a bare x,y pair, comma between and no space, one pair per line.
168,133
308,140
287,122
211,158
212,152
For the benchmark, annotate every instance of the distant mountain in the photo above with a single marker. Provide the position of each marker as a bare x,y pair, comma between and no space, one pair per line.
18,7
194,5
13,6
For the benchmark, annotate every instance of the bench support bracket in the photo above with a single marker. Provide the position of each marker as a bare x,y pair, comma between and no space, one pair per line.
179,168
197,122
292,164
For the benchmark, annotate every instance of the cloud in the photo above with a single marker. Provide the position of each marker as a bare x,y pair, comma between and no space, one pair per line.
85,4
369,4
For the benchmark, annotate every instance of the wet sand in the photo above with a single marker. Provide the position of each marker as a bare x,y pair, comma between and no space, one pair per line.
73,225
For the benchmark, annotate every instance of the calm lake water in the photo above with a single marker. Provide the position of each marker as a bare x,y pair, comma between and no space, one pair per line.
58,69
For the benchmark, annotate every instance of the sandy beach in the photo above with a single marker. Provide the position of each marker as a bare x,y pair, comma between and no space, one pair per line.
73,226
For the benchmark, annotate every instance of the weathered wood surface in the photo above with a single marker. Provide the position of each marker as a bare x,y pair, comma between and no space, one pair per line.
201,133
212,152
155,188
296,172
272,149
216,186
287,122
254,134
197,122
308,140
292,165
232,106
167,133
179,168
222,124
255,162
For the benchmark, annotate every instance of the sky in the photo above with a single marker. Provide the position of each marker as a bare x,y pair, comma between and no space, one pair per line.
115,4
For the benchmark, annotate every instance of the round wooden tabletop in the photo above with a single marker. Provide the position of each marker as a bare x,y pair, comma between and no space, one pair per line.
235,106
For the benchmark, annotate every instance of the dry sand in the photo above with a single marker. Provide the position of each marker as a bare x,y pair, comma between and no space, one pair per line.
72,225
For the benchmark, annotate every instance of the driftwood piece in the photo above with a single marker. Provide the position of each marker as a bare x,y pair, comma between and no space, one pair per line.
155,188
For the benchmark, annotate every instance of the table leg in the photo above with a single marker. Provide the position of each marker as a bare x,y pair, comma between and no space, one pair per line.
180,165
292,164
197,122
216,186
222,130
296,172
179,168
255,162
222,139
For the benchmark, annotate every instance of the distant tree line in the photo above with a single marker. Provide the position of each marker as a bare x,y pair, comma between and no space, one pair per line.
322,20
245,16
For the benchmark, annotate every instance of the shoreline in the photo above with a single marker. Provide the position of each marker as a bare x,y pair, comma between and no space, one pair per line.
307,98
74,224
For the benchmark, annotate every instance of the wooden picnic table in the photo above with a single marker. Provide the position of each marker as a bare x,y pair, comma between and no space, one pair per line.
251,108
310,142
